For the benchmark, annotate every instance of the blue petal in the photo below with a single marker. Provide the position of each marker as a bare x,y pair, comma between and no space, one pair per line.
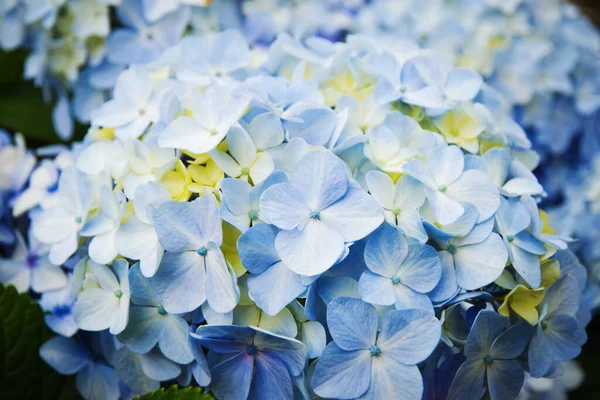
271,380
275,288
175,232
447,286
376,289
310,251
98,382
143,329
486,328
321,178
180,282
480,264
291,352
469,381
512,342
393,380
385,251
65,355
237,369
222,292
342,374
421,269
505,379
408,336
354,216
282,206
223,339
342,314
256,248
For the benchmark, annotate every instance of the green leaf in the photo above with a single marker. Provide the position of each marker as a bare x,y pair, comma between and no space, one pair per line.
23,374
175,393
22,107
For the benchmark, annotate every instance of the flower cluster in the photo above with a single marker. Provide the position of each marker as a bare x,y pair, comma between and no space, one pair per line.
79,47
350,219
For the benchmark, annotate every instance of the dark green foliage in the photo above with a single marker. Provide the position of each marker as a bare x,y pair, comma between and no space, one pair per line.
175,393
23,374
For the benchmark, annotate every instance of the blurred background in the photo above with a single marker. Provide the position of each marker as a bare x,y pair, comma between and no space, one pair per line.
23,109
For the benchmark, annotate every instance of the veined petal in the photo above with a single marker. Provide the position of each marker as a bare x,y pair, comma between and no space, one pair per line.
310,251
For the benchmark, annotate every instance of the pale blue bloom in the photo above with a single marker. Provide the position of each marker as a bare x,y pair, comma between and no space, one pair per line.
29,268
400,201
362,363
140,42
248,147
257,252
510,175
103,226
409,82
491,350
95,379
260,363
558,335
149,324
213,57
512,221
317,212
449,186
59,226
398,140
213,114
132,107
136,238
193,270
469,261
104,301
401,271
240,203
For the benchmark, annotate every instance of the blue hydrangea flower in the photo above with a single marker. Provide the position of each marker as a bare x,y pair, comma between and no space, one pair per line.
149,324
409,82
212,57
29,268
491,352
510,175
318,211
140,42
193,269
449,186
558,335
260,363
257,252
398,140
240,203
95,379
513,219
400,201
471,261
374,359
103,302
400,272
136,238
247,157
59,226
